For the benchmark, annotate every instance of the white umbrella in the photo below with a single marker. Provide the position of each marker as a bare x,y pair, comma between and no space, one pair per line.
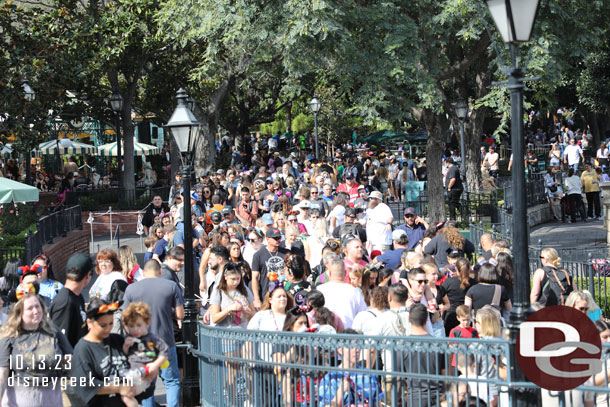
66,146
139,149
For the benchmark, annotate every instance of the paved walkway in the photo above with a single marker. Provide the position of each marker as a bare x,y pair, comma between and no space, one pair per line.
564,235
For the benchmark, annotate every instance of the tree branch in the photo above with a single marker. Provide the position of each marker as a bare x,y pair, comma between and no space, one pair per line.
464,64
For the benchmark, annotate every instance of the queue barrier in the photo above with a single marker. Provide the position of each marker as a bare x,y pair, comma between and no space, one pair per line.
257,368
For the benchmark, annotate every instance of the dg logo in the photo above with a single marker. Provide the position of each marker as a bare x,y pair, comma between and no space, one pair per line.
558,348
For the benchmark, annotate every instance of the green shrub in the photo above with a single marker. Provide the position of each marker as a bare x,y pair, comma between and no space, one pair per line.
15,218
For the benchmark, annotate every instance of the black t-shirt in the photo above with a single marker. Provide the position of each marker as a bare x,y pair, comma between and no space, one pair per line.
439,248
266,262
454,292
350,228
454,172
34,354
482,294
68,314
149,217
95,361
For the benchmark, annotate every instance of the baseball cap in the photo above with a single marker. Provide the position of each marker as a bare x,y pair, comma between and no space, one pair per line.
204,173
410,211
361,187
220,172
398,234
273,233
216,217
455,253
267,219
350,212
227,210
304,205
194,196
78,265
349,175
376,195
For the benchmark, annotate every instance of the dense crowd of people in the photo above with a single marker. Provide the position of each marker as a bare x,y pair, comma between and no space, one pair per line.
280,243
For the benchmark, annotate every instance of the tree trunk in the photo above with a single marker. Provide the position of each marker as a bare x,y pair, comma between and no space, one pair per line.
205,147
289,117
129,181
434,158
474,127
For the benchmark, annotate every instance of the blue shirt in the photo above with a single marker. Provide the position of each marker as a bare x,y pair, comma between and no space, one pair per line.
50,288
364,389
391,258
147,256
414,235
161,249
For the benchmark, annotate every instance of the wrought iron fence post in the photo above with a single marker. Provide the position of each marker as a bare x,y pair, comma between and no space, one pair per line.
28,247
539,250
591,273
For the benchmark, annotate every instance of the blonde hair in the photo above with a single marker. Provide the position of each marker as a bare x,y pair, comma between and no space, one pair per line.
551,256
357,270
490,322
430,268
320,230
128,259
12,328
583,295
497,249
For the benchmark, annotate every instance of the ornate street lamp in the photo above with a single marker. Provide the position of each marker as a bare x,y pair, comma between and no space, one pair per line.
515,20
28,92
184,128
116,103
461,111
315,106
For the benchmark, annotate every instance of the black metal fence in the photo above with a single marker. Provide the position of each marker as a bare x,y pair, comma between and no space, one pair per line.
474,206
49,227
91,199
9,253
535,194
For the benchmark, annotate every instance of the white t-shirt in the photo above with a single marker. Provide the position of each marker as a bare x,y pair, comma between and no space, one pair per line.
377,224
339,213
493,159
272,143
344,300
367,321
101,286
572,152
267,321
481,390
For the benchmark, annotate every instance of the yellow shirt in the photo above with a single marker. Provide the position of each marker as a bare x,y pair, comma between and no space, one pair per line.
590,181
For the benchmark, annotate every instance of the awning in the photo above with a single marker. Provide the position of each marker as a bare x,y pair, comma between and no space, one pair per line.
139,149
13,191
73,147
7,149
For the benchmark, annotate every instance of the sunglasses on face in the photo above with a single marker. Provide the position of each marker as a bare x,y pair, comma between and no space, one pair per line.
292,220
420,282
252,240
276,238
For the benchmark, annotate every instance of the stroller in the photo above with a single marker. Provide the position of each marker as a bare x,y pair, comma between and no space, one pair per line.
566,209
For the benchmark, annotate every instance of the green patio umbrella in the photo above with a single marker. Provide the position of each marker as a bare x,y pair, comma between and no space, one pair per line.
13,191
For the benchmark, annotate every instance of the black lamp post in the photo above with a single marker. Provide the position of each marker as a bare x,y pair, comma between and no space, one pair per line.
116,102
183,126
29,95
461,111
315,108
515,20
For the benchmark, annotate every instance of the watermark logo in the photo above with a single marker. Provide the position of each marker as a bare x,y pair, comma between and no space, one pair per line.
558,348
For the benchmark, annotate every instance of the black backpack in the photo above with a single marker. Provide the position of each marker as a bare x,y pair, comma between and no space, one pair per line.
349,228
556,286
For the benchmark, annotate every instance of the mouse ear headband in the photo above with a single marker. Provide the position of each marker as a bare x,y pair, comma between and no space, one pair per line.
26,270
103,309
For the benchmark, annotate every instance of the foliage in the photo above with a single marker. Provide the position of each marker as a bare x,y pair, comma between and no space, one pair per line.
15,218
269,129
593,85
302,123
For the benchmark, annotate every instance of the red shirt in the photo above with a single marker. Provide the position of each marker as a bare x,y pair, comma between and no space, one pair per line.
352,191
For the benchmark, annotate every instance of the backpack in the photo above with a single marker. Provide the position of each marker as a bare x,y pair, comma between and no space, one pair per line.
401,325
348,229
556,286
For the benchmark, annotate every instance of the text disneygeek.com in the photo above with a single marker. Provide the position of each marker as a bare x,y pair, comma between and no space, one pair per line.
66,382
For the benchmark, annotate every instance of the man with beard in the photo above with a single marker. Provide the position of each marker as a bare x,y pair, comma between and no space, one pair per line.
414,227
379,223
267,260
219,257
157,206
